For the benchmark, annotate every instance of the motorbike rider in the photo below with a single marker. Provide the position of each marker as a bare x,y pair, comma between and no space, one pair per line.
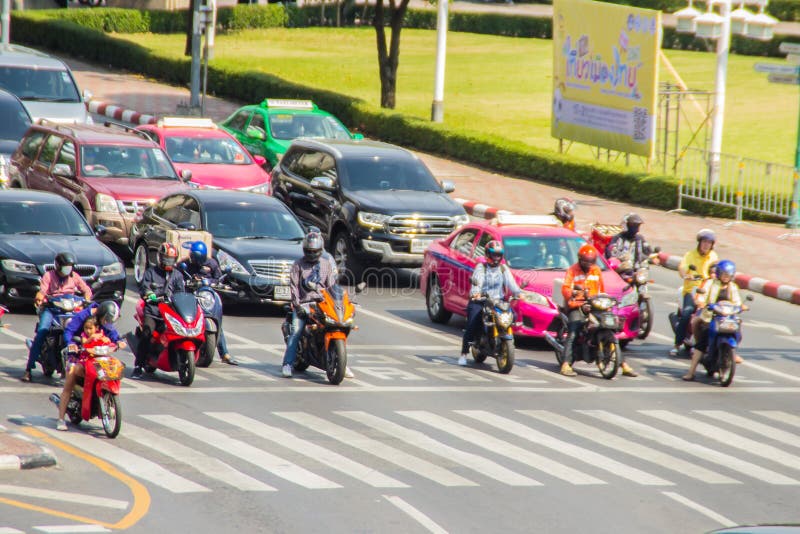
492,279
202,266
564,210
582,281
158,281
722,287
106,314
308,275
700,258
62,280
629,246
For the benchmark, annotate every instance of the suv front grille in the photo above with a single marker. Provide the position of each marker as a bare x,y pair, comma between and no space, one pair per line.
84,270
133,207
277,270
424,225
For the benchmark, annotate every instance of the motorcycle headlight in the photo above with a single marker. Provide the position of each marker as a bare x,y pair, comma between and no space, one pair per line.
372,220
531,297
105,203
725,309
19,266
505,319
206,300
605,303
226,260
461,220
112,269
66,304
642,275
630,298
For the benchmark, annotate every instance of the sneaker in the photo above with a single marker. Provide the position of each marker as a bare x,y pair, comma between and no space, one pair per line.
673,352
226,358
462,360
137,372
286,371
26,376
566,370
348,373
627,370
61,424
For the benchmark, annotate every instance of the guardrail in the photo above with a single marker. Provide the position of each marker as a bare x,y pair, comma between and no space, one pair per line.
744,184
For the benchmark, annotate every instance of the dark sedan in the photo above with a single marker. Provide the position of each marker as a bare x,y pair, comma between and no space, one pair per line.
256,236
14,122
34,227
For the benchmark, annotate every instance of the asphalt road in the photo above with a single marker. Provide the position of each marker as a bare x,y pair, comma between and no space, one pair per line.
417,444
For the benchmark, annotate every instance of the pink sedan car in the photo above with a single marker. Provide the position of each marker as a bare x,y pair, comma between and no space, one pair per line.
538,255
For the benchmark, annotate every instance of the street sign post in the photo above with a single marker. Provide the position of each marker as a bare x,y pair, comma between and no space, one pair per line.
772,68
791,79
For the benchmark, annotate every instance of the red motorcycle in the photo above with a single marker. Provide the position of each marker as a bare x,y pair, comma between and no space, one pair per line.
176,346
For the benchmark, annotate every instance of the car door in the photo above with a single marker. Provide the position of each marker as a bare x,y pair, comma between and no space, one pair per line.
296,183
66,184
255,135
162,217
22,162
322,200
39,175
457,283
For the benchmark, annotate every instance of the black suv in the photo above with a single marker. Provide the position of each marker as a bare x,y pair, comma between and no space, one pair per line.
376,203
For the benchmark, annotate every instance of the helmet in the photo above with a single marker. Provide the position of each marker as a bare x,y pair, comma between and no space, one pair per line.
706,235
632,220
167,256
198,253
564,209
107,312
587,253
494,252
312,246
64,263
725,267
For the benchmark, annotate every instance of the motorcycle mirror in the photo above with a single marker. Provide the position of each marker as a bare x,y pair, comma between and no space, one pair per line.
182,266
361,287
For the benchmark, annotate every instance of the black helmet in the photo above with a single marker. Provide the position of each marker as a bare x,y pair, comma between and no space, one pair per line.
64,260
312,246
107,312
632,222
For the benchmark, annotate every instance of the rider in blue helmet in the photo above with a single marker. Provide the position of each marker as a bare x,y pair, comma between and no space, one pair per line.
201,266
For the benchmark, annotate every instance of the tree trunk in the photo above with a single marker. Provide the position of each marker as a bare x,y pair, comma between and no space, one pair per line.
389,59
189,16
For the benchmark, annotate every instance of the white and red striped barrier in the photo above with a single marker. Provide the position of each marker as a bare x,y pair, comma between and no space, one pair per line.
119,113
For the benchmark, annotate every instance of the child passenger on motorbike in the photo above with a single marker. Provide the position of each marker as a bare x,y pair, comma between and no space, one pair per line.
492,279
713,290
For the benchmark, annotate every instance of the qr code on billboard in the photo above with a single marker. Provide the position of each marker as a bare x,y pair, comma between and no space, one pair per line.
640,124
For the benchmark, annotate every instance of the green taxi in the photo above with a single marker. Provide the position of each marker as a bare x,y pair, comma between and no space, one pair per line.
267,129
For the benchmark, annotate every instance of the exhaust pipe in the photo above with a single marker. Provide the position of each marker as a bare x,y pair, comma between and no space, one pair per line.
553,343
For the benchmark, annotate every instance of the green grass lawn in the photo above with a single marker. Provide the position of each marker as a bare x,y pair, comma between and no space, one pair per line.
498,84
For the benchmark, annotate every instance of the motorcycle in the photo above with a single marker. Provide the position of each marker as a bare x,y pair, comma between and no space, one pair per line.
63,308
495,338
596,342
637,277
177,343
324,340
723,339
97,393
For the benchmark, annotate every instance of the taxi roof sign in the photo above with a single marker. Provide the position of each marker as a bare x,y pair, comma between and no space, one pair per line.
185,122
510,219
287,103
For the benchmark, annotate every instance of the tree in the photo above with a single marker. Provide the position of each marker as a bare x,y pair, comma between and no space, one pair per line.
389,59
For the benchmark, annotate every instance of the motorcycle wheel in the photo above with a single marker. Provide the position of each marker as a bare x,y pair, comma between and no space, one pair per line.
505,356
112,414
186,367
336,362
607,359
645,319
434,301
74,414
727,365
477,355
207,350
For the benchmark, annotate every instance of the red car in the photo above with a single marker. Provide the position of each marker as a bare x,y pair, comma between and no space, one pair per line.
215,159
538,250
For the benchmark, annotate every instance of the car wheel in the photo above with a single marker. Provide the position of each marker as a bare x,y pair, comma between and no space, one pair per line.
140,262
435,303
350,269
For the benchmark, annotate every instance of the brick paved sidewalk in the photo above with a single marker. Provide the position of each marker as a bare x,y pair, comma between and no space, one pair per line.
755,247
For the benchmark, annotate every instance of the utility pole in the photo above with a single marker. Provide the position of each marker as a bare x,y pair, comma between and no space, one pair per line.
6,23
194,87
437,108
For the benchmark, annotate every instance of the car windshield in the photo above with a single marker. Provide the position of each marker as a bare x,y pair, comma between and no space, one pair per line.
543,253
291,125
35,217
245,220
389,174
126,162
14,120
44,85
219,150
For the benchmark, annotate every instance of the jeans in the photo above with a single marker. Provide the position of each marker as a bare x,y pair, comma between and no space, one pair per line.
687,309
222,345
298,325
45,320
575,320
143,350
474,318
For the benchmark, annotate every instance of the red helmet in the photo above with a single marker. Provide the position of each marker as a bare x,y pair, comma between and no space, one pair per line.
167,256
587,253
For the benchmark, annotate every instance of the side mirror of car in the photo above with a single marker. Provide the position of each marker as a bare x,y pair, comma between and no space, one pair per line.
325,183
255,133
260,160
63,170
448,186
186,225
87,95
360,287
358,136
100,230
186,175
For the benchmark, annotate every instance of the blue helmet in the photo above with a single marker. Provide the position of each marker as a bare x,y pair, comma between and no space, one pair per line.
198,252
725,267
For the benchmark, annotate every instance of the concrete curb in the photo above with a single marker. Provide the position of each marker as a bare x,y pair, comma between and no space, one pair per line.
752,283
44,457
118,113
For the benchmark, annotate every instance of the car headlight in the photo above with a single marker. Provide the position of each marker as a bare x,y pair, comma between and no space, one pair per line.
112,269
505,319
206,300
19,267
372,220
226,260
531,297
262,189
461,220
629,299
105,203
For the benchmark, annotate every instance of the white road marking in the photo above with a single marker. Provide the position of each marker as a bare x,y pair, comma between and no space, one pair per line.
9,530
626,446
781,417
130,462
786,376
781,329
262,459
569,450
207,465
10,333
71,529
377,448
415,514
722,520
706,454
329,458
787,438
395,322
662,337
61,496
503,448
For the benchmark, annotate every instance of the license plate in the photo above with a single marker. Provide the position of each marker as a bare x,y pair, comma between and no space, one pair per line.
282,293
418,246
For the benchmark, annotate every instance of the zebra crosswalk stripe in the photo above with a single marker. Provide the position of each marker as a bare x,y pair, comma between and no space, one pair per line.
781,417
569,450
377,448
262,459
769,431
330,458
706,454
